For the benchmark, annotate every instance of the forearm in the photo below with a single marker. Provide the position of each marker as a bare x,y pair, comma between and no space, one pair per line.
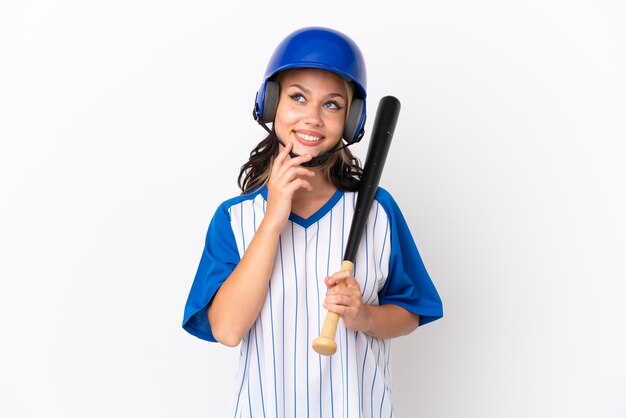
389,321
237,303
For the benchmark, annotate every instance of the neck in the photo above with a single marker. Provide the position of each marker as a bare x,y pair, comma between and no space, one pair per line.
306,202
321,187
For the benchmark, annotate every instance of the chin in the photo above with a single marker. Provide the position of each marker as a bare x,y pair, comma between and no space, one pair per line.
315,151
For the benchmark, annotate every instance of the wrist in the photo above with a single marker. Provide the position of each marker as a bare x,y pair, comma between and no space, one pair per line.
270,226
368,319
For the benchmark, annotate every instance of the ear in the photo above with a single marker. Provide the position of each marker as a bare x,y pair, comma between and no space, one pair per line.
353,127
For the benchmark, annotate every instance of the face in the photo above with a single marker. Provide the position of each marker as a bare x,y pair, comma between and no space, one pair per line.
311,110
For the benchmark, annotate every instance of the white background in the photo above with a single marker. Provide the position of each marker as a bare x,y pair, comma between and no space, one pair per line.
123,125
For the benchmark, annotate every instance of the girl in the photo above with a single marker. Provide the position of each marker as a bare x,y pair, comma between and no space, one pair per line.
266,280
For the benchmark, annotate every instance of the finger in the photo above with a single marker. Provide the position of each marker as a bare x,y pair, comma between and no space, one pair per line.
341,291
291,169
284,152
282,155
299,184
295,161
332,281
340,310
352,283
339,276
340,299
295,164
295,172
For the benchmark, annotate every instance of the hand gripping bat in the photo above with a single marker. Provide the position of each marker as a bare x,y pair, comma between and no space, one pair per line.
382,133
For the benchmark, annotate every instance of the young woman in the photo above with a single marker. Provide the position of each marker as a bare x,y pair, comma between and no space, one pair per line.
267,274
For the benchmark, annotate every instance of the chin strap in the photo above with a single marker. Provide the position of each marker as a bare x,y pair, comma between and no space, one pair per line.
315,161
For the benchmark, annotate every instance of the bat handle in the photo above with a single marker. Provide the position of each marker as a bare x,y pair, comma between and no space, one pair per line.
325,343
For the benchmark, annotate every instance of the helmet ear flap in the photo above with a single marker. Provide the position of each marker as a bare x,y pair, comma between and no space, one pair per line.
272,92
353,129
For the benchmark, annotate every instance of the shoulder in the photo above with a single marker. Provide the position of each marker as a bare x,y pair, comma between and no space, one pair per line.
384,198
227,204
232,212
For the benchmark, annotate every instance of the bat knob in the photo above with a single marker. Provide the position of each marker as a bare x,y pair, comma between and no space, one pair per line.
324,346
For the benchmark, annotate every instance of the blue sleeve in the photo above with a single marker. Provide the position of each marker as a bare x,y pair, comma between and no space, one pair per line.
408,284
219,259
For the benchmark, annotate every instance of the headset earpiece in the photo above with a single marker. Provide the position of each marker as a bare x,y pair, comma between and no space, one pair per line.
267,111
355,121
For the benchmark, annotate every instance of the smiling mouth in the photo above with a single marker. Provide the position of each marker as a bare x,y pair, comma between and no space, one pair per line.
308,138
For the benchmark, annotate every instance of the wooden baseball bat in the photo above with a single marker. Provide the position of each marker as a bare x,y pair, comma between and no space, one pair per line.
382,133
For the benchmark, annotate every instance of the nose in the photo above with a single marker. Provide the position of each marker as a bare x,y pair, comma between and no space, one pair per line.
313,116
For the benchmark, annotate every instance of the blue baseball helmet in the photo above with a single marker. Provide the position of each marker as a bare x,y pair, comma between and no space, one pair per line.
322,48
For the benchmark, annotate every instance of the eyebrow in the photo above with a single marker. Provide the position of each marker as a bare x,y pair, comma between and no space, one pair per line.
307,91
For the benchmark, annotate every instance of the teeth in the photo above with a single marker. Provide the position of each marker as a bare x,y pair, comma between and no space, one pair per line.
308,137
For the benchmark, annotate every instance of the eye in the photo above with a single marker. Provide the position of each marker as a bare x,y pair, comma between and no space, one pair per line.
332,104
297,97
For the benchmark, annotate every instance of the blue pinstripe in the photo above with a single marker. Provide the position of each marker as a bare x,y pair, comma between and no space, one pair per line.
387,388
380,260
273,339
368,300
243,240
256,343
363,373
343,377
243,237
273,352
295,338
330,361
343,224
253,218
256,339
243,377
382,400
306,300
366,262
249,400
374,381
347,374
282,271
319,314
343,231
356,334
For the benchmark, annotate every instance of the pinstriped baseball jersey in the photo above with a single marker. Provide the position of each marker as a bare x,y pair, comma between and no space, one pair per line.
279,374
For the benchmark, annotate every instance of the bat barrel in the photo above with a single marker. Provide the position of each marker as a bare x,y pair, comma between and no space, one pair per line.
382,133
